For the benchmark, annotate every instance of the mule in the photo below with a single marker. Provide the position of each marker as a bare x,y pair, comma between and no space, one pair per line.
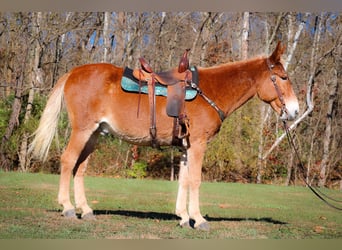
96,104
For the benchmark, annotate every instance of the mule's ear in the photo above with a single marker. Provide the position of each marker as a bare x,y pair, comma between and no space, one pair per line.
277,53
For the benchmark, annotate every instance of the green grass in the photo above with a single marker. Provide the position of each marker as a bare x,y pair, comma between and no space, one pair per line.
136,209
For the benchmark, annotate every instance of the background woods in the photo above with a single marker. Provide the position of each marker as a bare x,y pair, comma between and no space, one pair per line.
37,48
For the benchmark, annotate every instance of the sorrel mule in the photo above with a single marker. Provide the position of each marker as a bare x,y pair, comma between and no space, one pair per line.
96,103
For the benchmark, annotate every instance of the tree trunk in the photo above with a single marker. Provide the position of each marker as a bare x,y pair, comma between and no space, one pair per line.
243,56
173,45
293,46
311,151
59,51
205,17
275,29
35,80
289,170
261,162
119,38
106,38
13,121
134,20
263,117
327,134
161,51
244,36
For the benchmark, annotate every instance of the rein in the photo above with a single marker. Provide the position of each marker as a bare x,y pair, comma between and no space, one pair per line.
316,191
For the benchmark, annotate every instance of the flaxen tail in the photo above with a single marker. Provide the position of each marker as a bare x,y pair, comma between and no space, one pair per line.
46,130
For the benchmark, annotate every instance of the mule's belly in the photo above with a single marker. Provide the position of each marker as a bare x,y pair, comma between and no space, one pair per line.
135,134
128,117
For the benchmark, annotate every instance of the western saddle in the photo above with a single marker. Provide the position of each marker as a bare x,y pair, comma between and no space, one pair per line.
176,81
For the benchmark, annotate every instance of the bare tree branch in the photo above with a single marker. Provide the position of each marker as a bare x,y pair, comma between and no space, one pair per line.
295,40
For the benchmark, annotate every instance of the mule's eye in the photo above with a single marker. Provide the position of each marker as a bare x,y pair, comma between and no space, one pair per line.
284,78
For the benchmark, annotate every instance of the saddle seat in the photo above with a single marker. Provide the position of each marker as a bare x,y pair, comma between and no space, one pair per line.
170,77
175,79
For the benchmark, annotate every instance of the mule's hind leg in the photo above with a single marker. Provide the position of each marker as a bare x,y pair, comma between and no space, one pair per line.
80,197
69,159
79,170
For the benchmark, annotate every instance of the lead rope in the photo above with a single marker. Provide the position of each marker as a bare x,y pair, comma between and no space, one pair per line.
316,191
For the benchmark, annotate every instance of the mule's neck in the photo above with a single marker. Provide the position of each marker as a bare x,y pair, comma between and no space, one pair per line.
231,85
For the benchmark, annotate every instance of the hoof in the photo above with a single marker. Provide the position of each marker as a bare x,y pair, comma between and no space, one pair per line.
204,226
88,216
70,214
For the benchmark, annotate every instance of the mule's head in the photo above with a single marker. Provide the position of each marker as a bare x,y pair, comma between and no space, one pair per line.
276,87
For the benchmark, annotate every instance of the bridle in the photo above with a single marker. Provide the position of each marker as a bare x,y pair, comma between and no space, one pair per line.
315,190
278,91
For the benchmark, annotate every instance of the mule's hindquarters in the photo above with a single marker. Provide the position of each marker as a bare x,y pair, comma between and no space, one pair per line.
75,156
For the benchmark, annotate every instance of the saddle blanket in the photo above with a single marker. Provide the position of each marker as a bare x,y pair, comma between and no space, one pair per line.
130,84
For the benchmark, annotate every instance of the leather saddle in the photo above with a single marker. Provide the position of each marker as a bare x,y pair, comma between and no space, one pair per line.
176,81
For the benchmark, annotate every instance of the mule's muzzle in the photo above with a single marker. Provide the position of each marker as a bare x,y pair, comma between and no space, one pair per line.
290,111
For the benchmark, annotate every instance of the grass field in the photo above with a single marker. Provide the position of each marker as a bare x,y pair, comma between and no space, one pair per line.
136,209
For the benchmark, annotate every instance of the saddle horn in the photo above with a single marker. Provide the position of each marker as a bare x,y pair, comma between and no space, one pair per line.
184,62
145,66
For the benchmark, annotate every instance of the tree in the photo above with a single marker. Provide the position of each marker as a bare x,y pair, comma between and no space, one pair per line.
17,24
106,38
244,36
331,112
34,80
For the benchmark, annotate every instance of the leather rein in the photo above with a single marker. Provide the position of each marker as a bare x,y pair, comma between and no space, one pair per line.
315,190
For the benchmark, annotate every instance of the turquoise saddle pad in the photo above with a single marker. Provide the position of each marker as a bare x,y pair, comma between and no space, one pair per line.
130,84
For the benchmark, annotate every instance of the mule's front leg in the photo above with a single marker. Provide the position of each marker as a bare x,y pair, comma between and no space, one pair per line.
181,208
195,157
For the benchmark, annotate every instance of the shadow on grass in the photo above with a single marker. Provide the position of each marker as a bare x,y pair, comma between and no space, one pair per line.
171,217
